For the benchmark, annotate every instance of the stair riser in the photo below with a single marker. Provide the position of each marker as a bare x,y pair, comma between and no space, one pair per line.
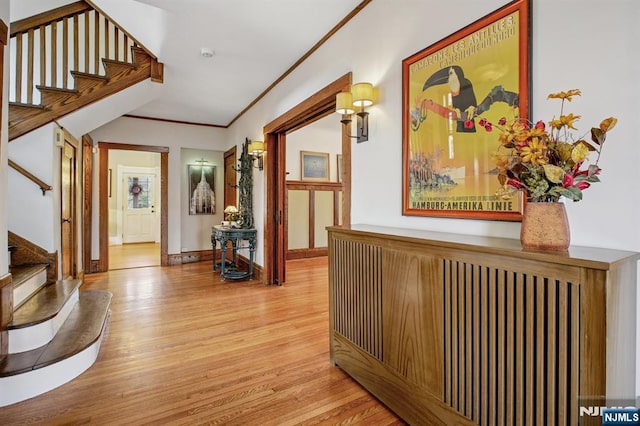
28,288
83,84
56,99
118,70
20,387
18,113
28,338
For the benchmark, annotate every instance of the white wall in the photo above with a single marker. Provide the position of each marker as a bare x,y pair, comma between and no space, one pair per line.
324,135
21,9
156,133
40,222
4,137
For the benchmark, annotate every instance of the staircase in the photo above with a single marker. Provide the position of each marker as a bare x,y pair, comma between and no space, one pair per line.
54,336
74,55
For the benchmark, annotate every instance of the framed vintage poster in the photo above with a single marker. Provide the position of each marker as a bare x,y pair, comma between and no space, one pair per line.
202,196
314,166
479,72
339,168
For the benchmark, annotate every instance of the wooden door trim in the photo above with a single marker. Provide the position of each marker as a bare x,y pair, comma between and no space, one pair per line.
87,201
103,220
318,105
231,152
76,267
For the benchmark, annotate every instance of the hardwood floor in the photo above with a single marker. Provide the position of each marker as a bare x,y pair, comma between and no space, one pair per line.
184,348
137,255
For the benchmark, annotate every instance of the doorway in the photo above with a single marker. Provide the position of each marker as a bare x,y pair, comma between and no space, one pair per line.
313,199
313,108
69,205
230,177
134,226
142,187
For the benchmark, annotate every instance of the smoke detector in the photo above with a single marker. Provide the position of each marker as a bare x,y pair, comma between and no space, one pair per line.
205,52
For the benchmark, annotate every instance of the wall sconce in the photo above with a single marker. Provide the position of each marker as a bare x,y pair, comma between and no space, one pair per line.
360,95
256,151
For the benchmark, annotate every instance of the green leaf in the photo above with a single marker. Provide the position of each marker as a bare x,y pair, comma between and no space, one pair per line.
585,143
572,193
597,135
553,173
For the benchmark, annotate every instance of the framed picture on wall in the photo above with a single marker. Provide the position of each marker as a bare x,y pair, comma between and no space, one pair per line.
202,196
339,169
450,89
314,166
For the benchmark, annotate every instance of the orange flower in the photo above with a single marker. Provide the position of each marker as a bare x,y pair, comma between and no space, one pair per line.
502,162
565,120
534,152
565,95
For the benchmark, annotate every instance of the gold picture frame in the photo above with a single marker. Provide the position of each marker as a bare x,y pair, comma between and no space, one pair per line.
314,166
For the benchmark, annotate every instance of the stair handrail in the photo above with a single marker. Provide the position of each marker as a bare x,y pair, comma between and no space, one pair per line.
43,186
93,38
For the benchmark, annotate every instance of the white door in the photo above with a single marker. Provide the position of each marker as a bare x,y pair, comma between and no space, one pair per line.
138,204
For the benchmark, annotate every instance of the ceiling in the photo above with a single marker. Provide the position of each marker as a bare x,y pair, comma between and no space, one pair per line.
254,42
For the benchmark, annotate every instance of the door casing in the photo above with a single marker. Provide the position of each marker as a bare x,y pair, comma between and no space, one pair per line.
318,105
70,190
103,225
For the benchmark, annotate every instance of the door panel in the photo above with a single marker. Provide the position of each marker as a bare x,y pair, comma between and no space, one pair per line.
67,213
138,207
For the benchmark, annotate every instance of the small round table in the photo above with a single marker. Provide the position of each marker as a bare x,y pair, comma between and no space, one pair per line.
224,234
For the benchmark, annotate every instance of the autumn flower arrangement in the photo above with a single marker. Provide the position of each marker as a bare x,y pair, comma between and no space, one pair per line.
544,159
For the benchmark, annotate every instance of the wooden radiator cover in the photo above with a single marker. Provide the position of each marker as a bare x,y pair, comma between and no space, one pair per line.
452,329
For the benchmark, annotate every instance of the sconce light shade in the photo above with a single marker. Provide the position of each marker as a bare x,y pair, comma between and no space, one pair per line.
256,148
362,94
344,103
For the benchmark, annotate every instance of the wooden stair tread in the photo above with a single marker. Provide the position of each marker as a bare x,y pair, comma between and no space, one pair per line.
59,90
22,273
27,106
44,305
83,328
120,63
89,75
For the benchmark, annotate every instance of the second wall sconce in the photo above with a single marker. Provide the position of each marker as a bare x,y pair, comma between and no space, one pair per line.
256,151
360,95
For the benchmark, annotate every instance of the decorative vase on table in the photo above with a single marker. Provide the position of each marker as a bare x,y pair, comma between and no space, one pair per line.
545,227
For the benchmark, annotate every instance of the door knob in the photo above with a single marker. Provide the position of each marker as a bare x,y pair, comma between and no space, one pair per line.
68,220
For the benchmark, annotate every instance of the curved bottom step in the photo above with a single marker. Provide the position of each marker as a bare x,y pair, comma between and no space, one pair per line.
73,350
